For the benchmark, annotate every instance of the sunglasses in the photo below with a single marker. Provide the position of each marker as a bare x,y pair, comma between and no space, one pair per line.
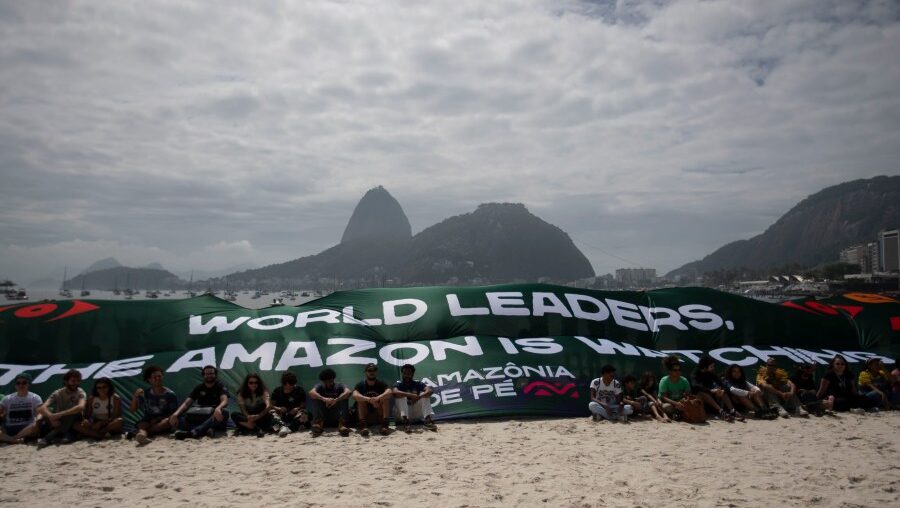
21,383
676,369
252,382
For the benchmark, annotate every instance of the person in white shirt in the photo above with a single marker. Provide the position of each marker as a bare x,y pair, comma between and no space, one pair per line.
19,411
606,397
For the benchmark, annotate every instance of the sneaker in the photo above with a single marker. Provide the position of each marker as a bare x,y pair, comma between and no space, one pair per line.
283,431
857,410
260,432
317,429
363,431
142,439
429,424
783,413
343,429
130,435
385,430
210,433
181,435
801,413
406,426
41,443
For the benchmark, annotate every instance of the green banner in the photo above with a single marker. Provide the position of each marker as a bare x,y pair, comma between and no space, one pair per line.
510,349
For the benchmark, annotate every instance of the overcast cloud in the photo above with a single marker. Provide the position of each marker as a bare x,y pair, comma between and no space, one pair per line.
203,135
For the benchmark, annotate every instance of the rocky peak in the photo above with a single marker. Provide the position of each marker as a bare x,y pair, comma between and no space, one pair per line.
377,215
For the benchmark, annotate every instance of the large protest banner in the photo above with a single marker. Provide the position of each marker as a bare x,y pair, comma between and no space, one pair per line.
497,350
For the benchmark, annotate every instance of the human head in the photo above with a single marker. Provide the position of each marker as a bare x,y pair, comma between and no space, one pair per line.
288,378
629,380
706,362
153,374
806,369
607,372
837,364
673,365
22,382
72,379
407,371
873,365
371,371
252,385
103,388
648,379
327,377
210,374
735,373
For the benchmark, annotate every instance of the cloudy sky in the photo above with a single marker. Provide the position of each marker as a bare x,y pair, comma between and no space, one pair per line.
203,135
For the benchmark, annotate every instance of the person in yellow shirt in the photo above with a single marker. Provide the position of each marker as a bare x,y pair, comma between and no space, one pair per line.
780,391
874,383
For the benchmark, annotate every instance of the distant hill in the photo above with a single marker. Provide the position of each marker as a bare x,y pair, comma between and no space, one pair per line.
103,264
377,215
123,277
495,243
815,230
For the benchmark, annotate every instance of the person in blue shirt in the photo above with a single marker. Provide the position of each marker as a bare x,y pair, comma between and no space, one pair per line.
156,403
412,400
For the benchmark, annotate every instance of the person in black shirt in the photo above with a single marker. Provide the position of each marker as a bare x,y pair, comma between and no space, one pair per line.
373,401
209,414
413,399
840,385
329,404
707,386
807,390
289,403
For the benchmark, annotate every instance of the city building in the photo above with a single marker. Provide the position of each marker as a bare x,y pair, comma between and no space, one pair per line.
630,277
889,250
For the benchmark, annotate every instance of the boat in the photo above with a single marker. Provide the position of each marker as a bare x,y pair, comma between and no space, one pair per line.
63,290
84,292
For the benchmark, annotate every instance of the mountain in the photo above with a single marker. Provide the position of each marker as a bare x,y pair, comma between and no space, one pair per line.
498,242
123,277
815,230
377,215
155,266
103,264
209,274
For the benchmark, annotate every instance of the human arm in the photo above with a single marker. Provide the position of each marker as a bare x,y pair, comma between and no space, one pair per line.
89,408
173,418
217,412
135,399
823,388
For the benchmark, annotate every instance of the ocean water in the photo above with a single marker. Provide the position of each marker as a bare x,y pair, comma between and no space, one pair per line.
244,300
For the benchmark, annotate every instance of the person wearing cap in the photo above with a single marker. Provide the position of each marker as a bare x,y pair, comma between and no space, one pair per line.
68,405
874,383
780,391
413,400
606,397
330,404
19,411
373,401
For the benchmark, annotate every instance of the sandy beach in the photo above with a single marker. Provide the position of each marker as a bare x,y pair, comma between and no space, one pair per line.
847,460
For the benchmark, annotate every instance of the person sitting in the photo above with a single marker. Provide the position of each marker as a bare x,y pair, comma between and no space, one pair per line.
874,383
673,387
807,390
895,382
632,396
780,392
649,388
19,411
208,414
103,411
254,404
68,405
412,400
289,405
744,393
329,404
840,384
707,386
607,401
373,401
156,403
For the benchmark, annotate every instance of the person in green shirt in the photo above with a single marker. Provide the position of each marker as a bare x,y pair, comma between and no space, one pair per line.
673,387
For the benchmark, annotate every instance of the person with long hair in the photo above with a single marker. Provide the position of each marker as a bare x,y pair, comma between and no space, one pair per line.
745,394
840,384
103,411
649,388
807,390
254,403
289,404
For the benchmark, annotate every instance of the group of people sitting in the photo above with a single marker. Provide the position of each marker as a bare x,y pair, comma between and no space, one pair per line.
732,396
69,412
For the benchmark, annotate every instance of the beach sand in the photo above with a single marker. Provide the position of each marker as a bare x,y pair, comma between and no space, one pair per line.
847,460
